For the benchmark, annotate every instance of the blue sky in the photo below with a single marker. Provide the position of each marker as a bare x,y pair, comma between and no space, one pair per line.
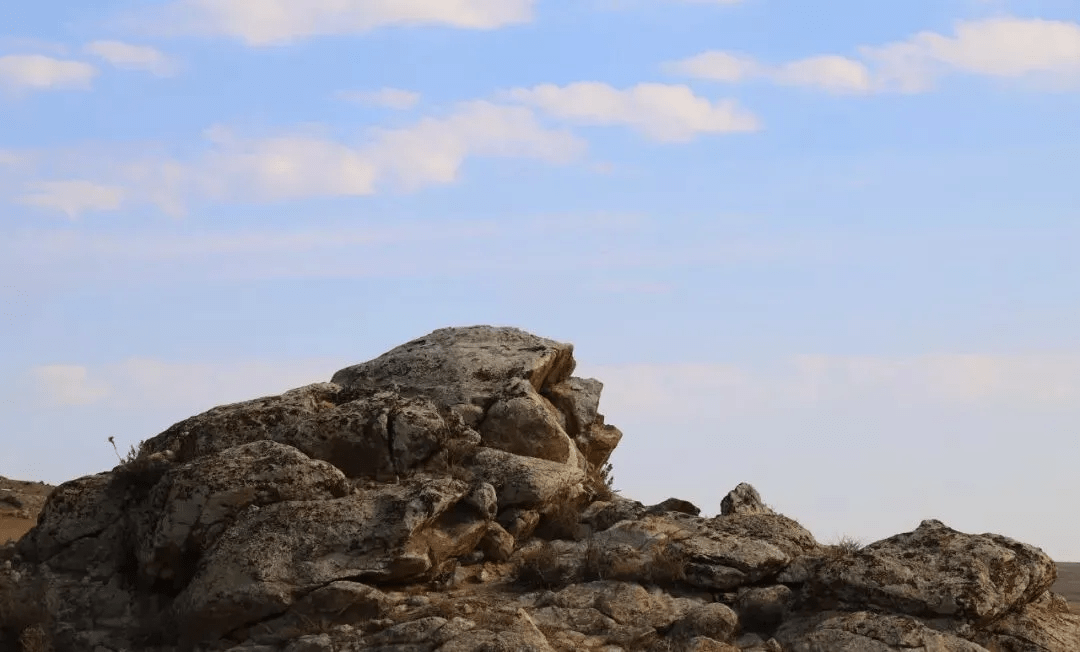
826,248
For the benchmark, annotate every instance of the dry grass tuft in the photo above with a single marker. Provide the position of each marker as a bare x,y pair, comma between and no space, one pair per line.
542,567
600,483
845,546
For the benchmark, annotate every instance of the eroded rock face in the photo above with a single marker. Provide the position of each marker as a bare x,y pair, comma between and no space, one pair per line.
936,571
447,497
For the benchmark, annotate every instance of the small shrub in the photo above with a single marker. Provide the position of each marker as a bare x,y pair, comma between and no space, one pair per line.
844,547
453,459
594,567
669,564
541,566
139,470
599,482
849,544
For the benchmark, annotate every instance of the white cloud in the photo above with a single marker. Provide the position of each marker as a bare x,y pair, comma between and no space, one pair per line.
391,98
73,197
19,72
283,167
828,72
276,22
69,385
432,151
831,73
147,384
717,66
133,57
297,164
998,47
663,112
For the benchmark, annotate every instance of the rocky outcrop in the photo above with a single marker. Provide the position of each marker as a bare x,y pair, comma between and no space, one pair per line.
451,495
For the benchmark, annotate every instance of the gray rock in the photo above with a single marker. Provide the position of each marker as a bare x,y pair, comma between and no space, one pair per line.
200,499
743,499
519,523
714,620
675,505
762,608
866,632
1044,625
390,534
525,482
497,544
936,571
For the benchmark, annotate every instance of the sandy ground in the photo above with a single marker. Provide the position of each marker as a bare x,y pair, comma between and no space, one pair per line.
21,501
1068,584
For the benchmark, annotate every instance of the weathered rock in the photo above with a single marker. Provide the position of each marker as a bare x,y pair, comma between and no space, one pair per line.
675,505
261,563
714,621
743,499
463,366
497,544
762,608
518,633
579,399
337,602
626,603
866,632
718,554
524,481
1044,625
519,523
936,571
524,423
198,500
448,496
603,514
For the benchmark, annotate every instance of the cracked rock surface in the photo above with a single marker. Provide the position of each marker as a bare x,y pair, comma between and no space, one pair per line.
450,496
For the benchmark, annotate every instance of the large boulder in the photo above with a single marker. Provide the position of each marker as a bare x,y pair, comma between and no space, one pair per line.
451,495
270,556
392,415
936,571
864,631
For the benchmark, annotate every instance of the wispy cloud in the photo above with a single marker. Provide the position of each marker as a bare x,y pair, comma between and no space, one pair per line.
278,22
513,245
997,47
72,197
662,112
967,380
390,98
153,384
69,385
295,163
133,57
37,72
